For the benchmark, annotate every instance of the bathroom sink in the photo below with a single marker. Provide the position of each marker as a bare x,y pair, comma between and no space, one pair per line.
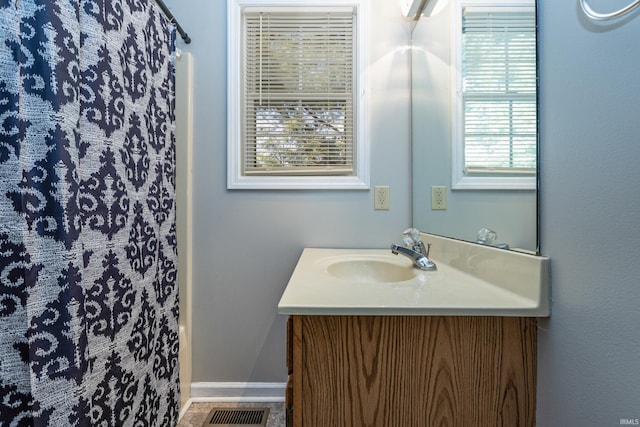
370,271
471,280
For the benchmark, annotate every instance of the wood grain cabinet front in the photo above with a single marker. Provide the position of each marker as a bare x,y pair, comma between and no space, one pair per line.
411,371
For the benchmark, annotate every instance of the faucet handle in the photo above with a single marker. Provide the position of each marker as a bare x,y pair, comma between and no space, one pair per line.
413,234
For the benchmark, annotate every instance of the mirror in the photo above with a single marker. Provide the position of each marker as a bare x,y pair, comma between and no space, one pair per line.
511,213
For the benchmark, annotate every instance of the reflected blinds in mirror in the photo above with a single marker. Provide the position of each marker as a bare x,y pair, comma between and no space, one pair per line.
499,90
298,91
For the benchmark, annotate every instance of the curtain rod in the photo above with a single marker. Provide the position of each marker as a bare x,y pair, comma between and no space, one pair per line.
172,19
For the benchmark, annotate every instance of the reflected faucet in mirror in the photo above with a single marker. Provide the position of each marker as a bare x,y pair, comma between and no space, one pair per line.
487,236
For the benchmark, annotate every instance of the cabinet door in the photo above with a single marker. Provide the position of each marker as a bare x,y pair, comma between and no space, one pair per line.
416,371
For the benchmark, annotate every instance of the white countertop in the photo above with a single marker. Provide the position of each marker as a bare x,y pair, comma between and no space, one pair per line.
312,290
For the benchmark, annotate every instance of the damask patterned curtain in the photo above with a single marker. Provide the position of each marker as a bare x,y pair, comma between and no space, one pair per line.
88,291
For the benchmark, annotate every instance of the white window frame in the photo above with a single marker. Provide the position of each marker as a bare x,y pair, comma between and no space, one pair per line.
236,179
461,180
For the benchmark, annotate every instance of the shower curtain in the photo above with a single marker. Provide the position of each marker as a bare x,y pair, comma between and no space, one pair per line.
88,291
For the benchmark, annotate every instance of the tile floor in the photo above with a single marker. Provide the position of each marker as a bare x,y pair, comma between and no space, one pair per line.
197,412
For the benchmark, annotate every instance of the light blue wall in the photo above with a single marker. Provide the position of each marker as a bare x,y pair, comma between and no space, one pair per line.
589,350
246,243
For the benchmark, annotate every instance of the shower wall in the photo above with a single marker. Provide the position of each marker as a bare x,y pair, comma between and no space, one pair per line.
184,134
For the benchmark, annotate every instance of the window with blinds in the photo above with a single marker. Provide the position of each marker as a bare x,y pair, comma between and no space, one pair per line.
298,91
498,93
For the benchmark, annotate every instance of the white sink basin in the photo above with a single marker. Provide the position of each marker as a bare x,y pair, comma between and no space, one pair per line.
370,270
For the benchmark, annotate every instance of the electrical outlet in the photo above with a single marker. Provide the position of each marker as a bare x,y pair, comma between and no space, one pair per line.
381,197
438,198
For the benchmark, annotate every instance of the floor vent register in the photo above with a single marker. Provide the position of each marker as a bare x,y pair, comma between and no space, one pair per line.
253,417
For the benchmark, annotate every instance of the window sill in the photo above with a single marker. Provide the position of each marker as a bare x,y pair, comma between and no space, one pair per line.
296,183
494,183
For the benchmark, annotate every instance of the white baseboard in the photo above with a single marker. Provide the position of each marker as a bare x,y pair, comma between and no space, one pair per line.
237,392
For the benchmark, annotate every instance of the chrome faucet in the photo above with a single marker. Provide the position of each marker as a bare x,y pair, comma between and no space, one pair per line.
417,253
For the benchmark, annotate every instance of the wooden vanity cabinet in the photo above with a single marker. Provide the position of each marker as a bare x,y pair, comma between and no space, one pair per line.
411,371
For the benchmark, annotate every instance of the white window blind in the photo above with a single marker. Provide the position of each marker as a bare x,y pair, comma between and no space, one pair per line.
298,91
499,90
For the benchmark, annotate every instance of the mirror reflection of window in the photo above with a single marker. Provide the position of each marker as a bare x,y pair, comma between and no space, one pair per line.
495,125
